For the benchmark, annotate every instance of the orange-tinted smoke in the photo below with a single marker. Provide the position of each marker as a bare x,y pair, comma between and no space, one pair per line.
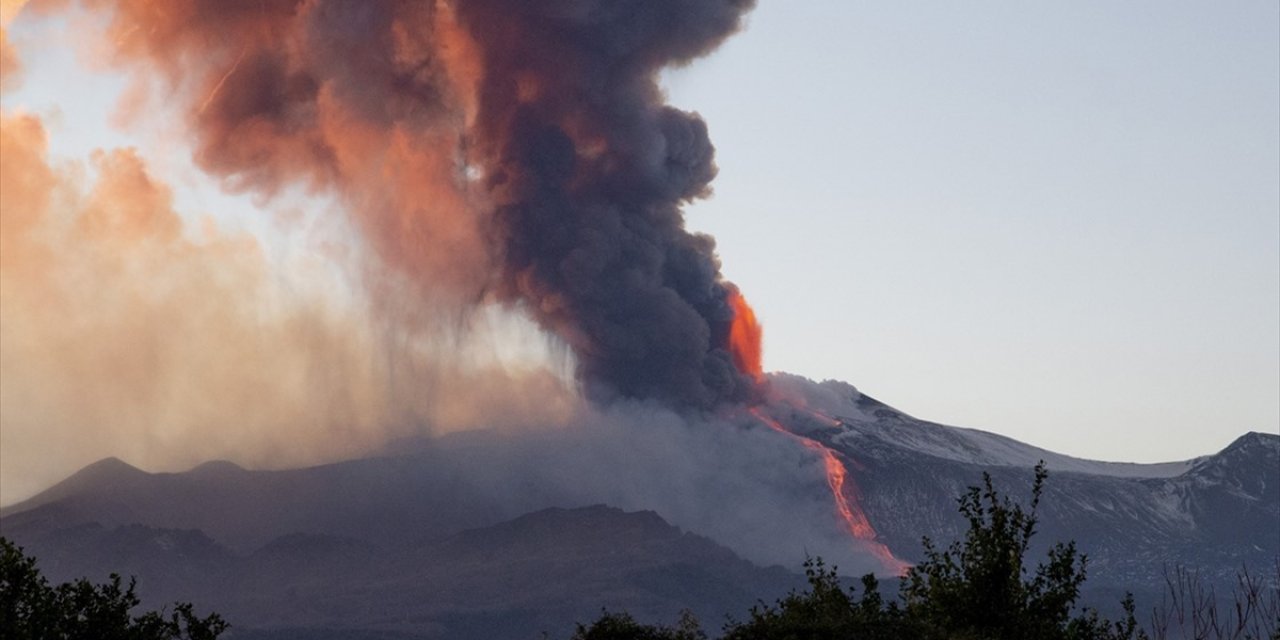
499,149
366,101
128,331
745,336
10,68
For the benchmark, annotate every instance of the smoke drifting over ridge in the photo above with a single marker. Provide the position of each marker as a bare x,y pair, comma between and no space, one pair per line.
511,151
127,332
131,328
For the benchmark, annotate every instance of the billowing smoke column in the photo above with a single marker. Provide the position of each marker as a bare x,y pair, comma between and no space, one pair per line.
509,149
589,169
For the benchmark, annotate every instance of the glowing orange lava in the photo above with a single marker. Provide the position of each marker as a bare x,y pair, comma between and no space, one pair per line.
745,336
845,494
744,344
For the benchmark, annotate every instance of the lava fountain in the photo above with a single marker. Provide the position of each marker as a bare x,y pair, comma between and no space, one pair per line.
745,336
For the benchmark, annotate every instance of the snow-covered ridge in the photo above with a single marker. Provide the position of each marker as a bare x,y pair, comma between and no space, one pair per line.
862,417
993,449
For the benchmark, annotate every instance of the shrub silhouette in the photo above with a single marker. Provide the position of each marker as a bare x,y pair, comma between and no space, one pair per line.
621,625
30,608
978,587
826,610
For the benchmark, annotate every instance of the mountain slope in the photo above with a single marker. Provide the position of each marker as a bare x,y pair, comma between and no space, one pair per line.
394,500
440,530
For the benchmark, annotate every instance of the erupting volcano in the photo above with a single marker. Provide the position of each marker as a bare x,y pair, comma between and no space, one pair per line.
392,318
490,154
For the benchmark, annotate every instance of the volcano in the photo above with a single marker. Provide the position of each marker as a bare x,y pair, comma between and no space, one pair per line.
446,537
517,159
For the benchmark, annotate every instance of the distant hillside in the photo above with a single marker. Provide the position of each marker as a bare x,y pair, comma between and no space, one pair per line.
541,571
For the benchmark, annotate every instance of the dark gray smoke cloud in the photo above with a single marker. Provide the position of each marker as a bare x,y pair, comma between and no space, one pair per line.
589,168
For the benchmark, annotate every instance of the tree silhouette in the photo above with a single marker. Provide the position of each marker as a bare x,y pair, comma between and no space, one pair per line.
30,608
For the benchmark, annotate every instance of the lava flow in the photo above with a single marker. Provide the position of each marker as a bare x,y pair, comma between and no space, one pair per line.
845,495
744,343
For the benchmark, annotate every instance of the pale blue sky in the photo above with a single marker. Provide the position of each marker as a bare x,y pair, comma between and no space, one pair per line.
1056,221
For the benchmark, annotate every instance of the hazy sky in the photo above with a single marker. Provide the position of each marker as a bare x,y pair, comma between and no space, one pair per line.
1056,222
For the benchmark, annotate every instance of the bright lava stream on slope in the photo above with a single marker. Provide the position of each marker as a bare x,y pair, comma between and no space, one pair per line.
744,344
845,495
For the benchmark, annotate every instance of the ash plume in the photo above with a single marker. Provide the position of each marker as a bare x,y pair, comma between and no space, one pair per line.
589,168
133,329
127,332
519,152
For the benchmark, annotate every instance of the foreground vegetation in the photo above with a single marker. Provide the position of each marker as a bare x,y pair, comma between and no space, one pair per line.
978,589
31,608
